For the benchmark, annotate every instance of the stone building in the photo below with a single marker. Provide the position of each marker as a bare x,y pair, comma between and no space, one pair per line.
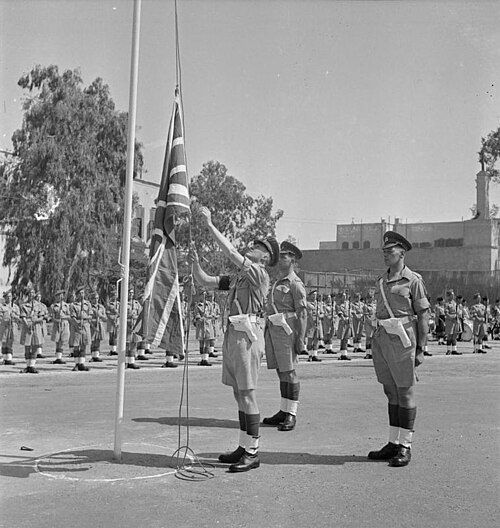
440,248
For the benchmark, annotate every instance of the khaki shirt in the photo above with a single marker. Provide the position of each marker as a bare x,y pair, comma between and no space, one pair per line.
287,295
405,292
248,289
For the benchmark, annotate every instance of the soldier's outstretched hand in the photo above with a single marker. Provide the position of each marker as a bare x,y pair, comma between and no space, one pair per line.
206,215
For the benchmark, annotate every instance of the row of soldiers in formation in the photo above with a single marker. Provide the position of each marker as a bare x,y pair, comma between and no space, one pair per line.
351,319
82,325
455,320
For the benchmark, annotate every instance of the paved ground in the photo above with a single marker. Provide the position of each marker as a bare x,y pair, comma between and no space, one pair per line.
317,475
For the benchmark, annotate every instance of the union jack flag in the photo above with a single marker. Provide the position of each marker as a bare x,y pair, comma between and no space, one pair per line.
161,318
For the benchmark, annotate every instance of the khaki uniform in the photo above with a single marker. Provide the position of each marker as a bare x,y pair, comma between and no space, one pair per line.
370,320
241,355
98,325
406,295
204,320
112,321
358,319
9,321
478,316
329,322
32,317
315,315
133,312
60,313
286,296
344,329
451,322
81,314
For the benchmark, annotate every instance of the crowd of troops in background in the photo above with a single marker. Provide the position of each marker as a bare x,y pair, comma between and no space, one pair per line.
349,320
83,325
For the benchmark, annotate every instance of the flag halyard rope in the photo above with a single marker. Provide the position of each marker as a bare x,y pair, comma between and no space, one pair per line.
187,464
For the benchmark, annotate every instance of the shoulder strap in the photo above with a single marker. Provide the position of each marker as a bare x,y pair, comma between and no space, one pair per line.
272,297
382,291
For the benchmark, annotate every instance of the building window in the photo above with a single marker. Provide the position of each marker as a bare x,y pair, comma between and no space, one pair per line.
355,245
345,245
366,244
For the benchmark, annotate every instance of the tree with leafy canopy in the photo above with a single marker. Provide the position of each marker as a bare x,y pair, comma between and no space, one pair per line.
490,154
61,195
239,216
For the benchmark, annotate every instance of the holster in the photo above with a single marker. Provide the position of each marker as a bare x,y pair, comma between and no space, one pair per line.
395,326
279,319
242,323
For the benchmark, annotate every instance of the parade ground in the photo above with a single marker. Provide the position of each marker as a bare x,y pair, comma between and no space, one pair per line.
56,445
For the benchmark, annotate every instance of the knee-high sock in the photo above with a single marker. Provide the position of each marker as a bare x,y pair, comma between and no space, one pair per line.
393,423
284,395
252,436
243,428
406,425
293,398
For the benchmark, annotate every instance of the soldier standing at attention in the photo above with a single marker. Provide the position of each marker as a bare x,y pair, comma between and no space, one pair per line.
328,325
31,313
478,316
440,319
344,329
45,315
60,314
205,331
451,324
9,320
71,301
403,325
113,316
133,311
81,314
243,345
314,326
369,310
358,319
285,333
97,327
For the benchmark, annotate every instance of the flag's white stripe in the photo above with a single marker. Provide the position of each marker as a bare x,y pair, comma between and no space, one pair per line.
158,231
155,263
178,141
179,204
176,169
177,188
165,316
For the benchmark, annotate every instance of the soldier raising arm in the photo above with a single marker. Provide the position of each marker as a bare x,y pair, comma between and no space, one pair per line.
243,345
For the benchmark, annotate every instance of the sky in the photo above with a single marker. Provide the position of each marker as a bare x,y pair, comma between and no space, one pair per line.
341,111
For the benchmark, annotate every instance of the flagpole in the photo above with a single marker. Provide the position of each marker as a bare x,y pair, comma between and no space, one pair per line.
127,222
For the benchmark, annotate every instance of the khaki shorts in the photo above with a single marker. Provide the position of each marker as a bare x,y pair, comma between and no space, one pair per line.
280,353
394,364
241,358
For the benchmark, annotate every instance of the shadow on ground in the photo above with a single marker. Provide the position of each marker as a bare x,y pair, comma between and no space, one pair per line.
294,459
193,422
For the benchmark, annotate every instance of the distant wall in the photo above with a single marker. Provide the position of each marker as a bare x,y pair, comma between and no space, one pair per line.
445,258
